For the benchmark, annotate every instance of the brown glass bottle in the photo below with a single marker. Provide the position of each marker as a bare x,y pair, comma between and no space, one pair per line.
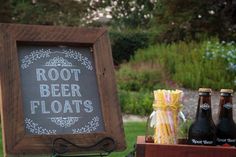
226,128
203,130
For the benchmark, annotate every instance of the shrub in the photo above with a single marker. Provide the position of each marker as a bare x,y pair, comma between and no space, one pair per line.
139,103
124,44
223,51
136,82
141,78
193,65
190,65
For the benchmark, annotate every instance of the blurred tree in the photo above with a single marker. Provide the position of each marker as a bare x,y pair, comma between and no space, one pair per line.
228,16
173,19
186,19
132,13
51,12
122,14
5,11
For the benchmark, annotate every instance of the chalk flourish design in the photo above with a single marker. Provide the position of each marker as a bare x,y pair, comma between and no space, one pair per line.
79,57
34,128
90,127
34,56
46,53
58,61
64,122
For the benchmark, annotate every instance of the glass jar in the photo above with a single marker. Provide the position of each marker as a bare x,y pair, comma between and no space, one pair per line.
162,124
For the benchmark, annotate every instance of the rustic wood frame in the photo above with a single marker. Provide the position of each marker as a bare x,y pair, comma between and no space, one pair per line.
16,142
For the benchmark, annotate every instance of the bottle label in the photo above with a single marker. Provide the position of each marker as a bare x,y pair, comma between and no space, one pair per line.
228,106
205,106
226,140
203,142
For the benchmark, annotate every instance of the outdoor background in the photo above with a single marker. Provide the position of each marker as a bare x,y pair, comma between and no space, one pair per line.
184,44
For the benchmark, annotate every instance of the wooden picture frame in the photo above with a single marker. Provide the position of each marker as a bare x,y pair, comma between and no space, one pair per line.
16,141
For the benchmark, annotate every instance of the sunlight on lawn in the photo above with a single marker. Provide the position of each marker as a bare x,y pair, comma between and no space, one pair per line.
132,130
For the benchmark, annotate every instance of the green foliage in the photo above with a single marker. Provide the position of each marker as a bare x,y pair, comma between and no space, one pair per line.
175,20
136,81
145,79
124,44
5,11
132,13
48,12
185,20
223,51
139,103
200,71
183,128
191,65
187,65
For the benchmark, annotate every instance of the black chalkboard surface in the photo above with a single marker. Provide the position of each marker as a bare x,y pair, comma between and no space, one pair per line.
59,90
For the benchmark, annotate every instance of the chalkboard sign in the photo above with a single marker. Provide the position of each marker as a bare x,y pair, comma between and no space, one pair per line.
57,83
60,91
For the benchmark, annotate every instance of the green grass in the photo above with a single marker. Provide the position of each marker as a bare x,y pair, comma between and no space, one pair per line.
132,130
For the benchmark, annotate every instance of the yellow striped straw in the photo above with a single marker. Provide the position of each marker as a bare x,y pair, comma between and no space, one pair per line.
166,104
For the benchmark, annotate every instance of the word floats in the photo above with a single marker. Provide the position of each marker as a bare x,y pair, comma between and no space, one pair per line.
55,106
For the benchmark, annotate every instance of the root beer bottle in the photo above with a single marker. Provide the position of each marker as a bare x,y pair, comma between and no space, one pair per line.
226,128
202,131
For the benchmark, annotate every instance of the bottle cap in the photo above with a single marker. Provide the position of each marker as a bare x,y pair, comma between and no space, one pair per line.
230,91
205,90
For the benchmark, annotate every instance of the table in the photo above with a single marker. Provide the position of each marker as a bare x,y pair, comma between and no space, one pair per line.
180,150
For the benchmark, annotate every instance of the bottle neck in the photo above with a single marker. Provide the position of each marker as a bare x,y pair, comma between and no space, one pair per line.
204,106
226,105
